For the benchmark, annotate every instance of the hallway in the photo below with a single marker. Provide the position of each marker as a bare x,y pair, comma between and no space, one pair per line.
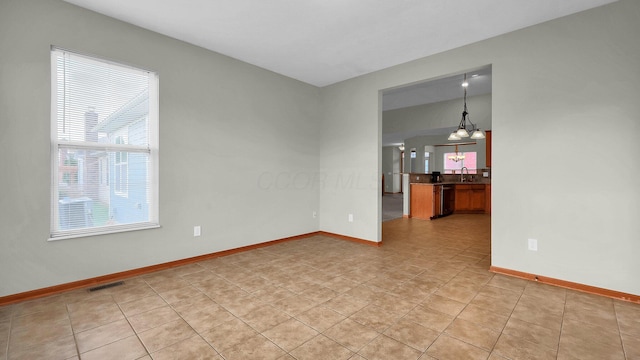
391,206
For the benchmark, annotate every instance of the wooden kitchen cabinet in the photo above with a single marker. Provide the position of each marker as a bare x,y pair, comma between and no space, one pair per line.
488,147
470,198
487,199
462,198
425,201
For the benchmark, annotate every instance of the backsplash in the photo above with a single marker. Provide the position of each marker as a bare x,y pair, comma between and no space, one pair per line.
476,178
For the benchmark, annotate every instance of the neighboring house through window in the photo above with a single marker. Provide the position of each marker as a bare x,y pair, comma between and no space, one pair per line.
120,168
104,144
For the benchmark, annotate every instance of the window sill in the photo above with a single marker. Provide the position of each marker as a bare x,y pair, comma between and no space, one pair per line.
102,232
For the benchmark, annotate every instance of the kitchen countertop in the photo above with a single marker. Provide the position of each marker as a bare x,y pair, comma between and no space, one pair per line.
452,183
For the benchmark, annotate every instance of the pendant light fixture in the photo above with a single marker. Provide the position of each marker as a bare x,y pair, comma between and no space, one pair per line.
457,156
466,126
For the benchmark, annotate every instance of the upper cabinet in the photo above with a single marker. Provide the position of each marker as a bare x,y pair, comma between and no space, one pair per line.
488,142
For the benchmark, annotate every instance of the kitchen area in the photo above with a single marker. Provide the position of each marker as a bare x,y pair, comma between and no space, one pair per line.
432,196
429,196
436,171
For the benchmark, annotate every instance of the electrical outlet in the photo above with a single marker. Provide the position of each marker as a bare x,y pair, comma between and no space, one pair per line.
533,244
196,230
315,214
350,217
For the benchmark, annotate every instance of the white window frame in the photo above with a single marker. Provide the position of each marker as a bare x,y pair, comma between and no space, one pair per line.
120,183
104,171
152,149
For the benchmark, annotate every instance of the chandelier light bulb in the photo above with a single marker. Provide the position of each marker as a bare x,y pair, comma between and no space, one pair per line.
462,132
478,134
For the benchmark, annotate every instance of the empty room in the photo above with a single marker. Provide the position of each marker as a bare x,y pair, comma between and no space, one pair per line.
207,179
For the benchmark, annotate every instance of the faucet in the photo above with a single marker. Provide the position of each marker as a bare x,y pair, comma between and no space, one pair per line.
462,173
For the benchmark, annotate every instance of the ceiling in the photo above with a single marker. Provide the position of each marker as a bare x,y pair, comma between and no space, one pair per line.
436,90
322,42
431,91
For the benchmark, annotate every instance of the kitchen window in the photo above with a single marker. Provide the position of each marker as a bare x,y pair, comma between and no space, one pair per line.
104,146
464,159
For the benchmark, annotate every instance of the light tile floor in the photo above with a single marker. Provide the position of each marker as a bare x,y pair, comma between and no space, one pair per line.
425,294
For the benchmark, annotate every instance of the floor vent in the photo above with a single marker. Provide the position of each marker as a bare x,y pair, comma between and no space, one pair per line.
106,286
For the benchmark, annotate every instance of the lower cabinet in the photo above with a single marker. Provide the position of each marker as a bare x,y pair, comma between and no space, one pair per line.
487,201
470,198
425,201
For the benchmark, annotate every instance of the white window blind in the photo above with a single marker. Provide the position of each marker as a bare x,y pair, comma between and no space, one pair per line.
104,146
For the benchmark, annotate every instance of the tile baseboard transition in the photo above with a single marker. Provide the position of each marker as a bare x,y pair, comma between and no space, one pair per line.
568,284
80,284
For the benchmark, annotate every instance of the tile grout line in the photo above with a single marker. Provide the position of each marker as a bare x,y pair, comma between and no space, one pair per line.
564,310
75,339
624,348
13,309
129,322
509,318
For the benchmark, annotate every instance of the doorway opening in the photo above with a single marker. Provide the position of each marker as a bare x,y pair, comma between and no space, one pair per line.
419,117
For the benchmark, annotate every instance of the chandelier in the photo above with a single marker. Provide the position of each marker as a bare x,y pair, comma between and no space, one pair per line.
456,156
466,126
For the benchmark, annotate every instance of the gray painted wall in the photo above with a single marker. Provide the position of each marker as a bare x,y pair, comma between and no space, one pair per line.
439,115
238,149
556,87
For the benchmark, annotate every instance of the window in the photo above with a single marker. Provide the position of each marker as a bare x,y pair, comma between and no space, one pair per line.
426,162
452,166
104,146
412,161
